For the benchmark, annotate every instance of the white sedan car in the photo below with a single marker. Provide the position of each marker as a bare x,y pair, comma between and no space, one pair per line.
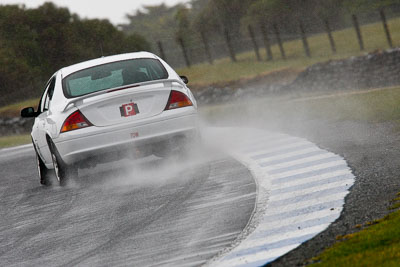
128,105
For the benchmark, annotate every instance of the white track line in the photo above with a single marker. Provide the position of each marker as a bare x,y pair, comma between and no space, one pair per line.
292,162
274,239
278,225
258,258
8,149
289,195
310,179
290,154
273,210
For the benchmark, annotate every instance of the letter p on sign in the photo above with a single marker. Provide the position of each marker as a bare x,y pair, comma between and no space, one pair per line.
130,109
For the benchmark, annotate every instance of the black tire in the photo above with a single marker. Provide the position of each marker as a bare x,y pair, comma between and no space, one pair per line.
62,171
42,171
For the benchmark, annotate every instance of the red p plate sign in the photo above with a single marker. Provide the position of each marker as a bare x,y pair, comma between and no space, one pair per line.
130,109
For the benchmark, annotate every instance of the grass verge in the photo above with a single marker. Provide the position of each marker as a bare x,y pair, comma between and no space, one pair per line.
373,106
15,140
15,109
376,245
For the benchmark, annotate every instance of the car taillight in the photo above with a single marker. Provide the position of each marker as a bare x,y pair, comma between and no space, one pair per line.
75,121
178,100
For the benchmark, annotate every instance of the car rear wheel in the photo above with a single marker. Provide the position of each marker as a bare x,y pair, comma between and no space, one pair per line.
62,171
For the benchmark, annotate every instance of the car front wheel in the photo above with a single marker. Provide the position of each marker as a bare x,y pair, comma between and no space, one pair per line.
42,171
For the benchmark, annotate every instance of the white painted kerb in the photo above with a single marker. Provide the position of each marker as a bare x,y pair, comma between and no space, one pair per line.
301,186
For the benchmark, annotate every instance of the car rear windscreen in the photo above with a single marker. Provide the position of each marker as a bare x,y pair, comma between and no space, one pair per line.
112,75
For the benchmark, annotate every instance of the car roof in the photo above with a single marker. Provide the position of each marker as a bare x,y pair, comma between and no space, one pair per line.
104,60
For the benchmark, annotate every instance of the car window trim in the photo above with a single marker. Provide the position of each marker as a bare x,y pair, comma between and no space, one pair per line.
46,87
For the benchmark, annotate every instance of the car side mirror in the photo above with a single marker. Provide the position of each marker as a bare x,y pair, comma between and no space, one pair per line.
184,79
28,113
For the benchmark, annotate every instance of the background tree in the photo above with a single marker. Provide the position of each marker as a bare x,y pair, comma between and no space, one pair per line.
205,27
154,22
227,14
183,32
329,12
34,43
268,14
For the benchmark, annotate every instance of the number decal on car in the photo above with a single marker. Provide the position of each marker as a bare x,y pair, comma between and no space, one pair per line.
134,135
130,109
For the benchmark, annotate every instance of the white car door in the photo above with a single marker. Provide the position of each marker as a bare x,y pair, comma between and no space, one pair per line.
41,123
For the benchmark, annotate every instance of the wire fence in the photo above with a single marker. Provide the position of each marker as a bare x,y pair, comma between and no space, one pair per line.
198,50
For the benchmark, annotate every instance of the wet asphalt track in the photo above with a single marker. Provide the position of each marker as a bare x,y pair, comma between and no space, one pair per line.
122,214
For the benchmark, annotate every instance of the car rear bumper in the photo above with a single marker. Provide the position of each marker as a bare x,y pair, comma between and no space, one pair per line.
111,143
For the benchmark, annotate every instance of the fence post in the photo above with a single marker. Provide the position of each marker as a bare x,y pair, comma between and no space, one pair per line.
278,38
185,56
330,37
358,31
385,26
267,44
206,47
304,39
229,44
160,47
253,39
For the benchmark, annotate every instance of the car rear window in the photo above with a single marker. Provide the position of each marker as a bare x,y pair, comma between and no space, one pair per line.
113,75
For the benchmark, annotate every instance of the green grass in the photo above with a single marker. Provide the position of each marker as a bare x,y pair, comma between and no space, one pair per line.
369,106
223,70
15,140
376,245
15,109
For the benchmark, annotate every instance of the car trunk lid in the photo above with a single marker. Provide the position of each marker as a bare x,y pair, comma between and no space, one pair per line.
125,105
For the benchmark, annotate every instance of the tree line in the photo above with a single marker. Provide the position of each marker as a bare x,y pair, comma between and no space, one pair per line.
230,20
34,43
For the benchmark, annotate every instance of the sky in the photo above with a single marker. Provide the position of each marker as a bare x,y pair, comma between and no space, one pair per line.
113,10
